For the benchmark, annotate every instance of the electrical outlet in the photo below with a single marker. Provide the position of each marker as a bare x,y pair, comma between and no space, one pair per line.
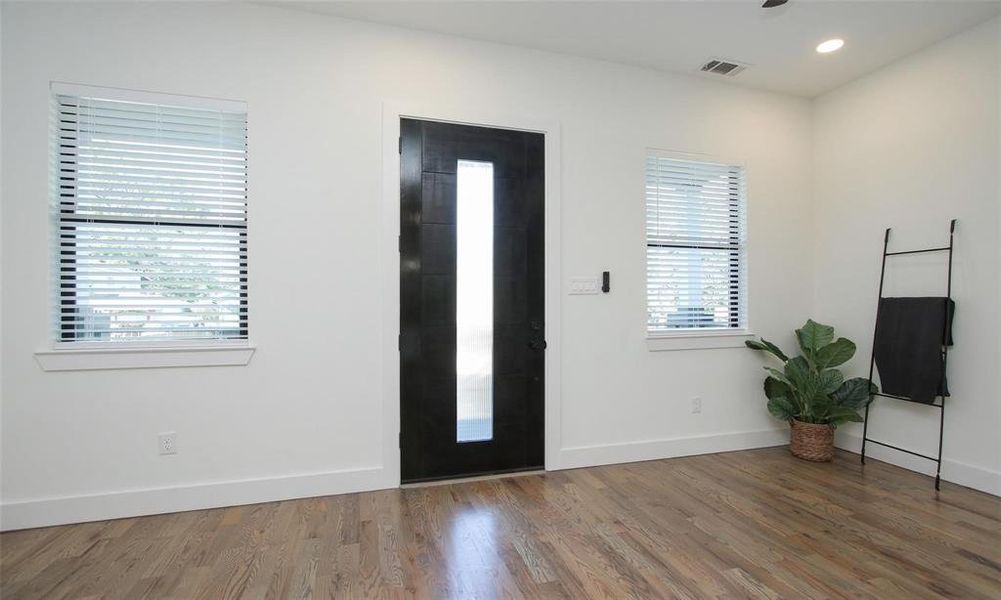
696,405
168,443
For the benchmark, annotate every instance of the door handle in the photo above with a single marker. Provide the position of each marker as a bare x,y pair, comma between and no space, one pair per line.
537,344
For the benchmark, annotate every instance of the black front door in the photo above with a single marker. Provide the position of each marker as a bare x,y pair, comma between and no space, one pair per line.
471,300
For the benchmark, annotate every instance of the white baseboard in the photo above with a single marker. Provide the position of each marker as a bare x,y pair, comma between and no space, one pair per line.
44,512
971,476
606,454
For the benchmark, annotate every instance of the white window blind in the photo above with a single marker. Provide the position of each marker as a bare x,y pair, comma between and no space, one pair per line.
695,236
151,211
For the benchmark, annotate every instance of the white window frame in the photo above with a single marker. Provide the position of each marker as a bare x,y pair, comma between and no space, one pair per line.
692,339
87,355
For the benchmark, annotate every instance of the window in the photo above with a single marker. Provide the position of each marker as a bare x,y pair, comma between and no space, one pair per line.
695,237
150,196
474,301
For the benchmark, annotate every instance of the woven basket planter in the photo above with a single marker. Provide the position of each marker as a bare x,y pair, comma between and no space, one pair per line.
810,441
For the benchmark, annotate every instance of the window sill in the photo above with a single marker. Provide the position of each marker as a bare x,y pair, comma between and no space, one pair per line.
90,359
698,340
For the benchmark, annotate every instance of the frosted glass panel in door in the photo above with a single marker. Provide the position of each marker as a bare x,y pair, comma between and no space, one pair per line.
474,300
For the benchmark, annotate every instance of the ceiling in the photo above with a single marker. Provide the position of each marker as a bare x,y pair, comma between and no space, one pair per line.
680,36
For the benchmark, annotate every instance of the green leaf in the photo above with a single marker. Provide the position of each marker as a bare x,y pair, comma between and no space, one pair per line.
835,353
782,408
778,375
842,414
830,381
821,404
767,347
780,390
797,371
813,336
776,389
804,382
854,393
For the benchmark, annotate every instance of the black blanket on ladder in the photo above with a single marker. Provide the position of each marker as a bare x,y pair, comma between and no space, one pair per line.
910,333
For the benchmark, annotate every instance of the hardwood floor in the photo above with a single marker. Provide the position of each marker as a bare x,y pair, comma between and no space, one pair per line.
755,524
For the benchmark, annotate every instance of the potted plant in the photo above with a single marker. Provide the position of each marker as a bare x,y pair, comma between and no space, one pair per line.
810,393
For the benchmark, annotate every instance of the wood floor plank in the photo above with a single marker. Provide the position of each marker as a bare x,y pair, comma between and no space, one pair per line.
751,524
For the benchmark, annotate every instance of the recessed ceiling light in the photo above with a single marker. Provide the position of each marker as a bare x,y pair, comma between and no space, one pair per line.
830,45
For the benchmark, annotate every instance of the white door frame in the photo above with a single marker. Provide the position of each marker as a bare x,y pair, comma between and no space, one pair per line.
389,243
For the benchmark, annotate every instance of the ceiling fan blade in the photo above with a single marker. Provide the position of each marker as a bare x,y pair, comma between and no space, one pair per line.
773,3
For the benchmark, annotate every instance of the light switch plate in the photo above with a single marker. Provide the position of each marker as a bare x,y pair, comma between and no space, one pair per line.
584,285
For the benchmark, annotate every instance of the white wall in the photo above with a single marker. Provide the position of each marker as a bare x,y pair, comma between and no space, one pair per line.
305,416
1,249
910,147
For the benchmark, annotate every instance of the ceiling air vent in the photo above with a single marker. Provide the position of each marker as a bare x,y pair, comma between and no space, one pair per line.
720,66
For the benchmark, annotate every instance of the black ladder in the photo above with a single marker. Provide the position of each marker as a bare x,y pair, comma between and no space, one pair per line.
945,355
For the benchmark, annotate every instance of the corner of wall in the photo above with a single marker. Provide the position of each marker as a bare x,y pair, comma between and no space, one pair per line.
857,169
1,230
997,390
813,201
